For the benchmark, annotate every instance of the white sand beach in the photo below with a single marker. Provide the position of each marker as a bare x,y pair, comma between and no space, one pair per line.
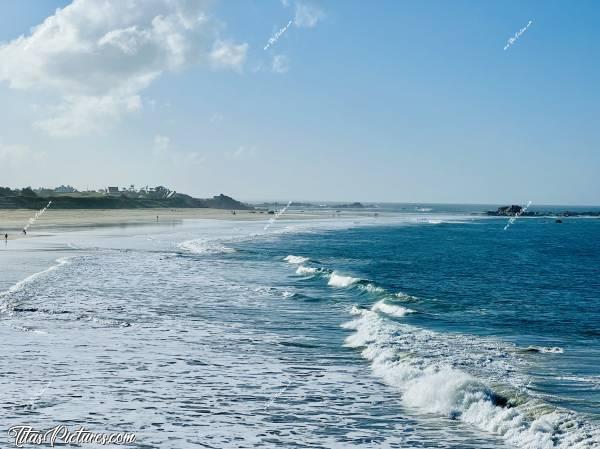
12,221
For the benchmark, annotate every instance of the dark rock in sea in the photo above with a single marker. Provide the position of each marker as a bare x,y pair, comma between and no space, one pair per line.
506,211
355,205
558,221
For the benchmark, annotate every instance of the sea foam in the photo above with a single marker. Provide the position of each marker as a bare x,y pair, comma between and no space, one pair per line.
306,271
337,280
403,357
391,309
203,246
21,284
295,259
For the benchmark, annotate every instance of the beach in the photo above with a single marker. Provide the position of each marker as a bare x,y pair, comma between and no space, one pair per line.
12,221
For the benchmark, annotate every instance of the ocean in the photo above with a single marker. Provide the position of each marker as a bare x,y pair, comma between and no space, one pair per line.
422,327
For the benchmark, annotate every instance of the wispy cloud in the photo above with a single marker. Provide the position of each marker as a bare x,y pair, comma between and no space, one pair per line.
165,152
280,64
242,152
307,15
15,155
228,55
161,143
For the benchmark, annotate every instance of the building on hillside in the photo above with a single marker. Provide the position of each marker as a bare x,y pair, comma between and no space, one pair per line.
65,189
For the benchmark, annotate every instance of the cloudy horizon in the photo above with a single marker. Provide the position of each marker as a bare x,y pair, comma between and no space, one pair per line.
304,100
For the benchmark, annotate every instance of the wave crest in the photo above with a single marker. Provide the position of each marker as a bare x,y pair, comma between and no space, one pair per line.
203,246
391,309
296,260
415,362
306,271
337,280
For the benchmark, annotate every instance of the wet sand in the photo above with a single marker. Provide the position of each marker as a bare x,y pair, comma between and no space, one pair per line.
12,221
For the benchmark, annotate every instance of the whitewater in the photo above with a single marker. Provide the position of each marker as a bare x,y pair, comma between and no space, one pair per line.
431,331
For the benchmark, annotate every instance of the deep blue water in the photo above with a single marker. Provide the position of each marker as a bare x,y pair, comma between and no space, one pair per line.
534,288
404,331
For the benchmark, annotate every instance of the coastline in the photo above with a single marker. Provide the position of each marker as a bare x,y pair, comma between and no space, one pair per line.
12,221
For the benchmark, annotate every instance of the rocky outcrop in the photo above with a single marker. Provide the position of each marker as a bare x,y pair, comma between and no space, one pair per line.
511,211
507,211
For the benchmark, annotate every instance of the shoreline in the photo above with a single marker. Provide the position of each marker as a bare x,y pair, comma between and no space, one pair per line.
12,221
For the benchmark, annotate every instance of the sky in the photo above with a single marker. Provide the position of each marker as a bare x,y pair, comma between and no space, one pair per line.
302,100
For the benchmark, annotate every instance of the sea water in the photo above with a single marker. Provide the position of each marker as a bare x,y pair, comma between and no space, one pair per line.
411,329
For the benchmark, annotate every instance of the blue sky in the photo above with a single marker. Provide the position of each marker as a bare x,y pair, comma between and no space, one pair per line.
367,101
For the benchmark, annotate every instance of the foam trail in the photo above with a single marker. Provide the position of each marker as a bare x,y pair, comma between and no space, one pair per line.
391,309
337,280
372,288
21,284
295,259
36,216
302,270
203,246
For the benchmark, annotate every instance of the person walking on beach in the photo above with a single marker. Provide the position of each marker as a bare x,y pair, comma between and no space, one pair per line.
6,237
24,231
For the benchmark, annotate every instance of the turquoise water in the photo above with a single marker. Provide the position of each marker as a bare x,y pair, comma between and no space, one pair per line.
406,330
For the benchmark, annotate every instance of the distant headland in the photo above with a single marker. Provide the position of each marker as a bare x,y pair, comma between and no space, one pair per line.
67,197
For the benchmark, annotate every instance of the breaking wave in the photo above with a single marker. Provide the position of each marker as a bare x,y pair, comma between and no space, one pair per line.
371,288
21,285
391,309
204,246
442,374
340,281
295,259
477,380
306,271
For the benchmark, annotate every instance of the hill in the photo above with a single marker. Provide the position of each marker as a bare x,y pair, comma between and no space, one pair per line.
28,199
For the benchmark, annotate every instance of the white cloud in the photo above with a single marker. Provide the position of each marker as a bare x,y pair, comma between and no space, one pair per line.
281,64
164,152
242,152
97,56
17,155
161,143
85,114
307,16
194,156
228,55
